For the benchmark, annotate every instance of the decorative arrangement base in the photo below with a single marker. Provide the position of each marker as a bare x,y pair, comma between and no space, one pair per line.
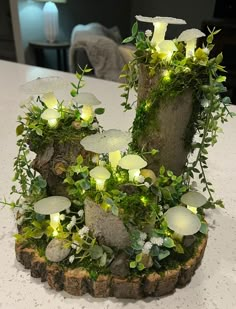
78,282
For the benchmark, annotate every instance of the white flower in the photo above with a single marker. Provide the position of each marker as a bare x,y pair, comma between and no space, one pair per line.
160,213
140,179
205,103
71,259
142,236
148,33
83,231
62,217
69,226
73,219
75,245
68,210
80,213
157,241
147,247
146,184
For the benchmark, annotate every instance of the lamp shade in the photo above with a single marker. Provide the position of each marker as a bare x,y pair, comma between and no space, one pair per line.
51,21
56,1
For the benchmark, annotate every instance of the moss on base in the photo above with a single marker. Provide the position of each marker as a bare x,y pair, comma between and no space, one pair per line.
78,281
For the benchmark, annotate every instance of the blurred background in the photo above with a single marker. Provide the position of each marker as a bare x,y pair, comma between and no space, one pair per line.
22,28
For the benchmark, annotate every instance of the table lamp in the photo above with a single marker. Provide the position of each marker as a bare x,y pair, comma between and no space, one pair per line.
51,21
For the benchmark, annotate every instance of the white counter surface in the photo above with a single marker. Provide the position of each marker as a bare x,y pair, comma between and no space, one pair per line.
214,284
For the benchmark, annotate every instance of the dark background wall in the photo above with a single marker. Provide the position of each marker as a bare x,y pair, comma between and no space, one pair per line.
7,48
107,12
193,12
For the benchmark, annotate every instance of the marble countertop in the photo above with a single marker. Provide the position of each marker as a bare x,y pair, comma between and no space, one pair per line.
214,283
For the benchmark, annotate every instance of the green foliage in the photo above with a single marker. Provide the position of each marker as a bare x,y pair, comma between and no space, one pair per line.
204,75
140,203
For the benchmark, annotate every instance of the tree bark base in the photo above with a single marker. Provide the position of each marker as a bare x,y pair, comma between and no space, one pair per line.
78,282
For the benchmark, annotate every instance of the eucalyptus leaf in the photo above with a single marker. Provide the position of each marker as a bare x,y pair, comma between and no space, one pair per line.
96,252
204,228
103,260
163,254
168,242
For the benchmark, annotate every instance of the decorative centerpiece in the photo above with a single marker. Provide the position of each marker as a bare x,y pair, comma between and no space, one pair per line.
115,213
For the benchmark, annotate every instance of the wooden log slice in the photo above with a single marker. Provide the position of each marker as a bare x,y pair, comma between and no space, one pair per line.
78,282
166,126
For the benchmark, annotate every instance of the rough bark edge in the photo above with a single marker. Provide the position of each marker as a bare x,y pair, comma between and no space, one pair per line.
78,282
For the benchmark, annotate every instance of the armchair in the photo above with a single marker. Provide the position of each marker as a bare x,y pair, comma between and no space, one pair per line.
100,48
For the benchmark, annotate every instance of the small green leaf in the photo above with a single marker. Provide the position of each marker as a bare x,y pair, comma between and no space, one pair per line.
140,266
204,228
128,40
84,184
162,170
154,152
107,249
73,93
168,242
19,129
221,79
132,264
103,260
155,250
134,29
138,258
93,275
99,111
73,85
163,254
96,252
219,58
88,70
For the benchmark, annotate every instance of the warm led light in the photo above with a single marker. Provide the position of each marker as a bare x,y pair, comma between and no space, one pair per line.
147,105
100,175
190,48
55,222
52,122
99,184
87,112
144,200
166,75
50,100
159,33
193,209
114,158
169,55
51,115
133,174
